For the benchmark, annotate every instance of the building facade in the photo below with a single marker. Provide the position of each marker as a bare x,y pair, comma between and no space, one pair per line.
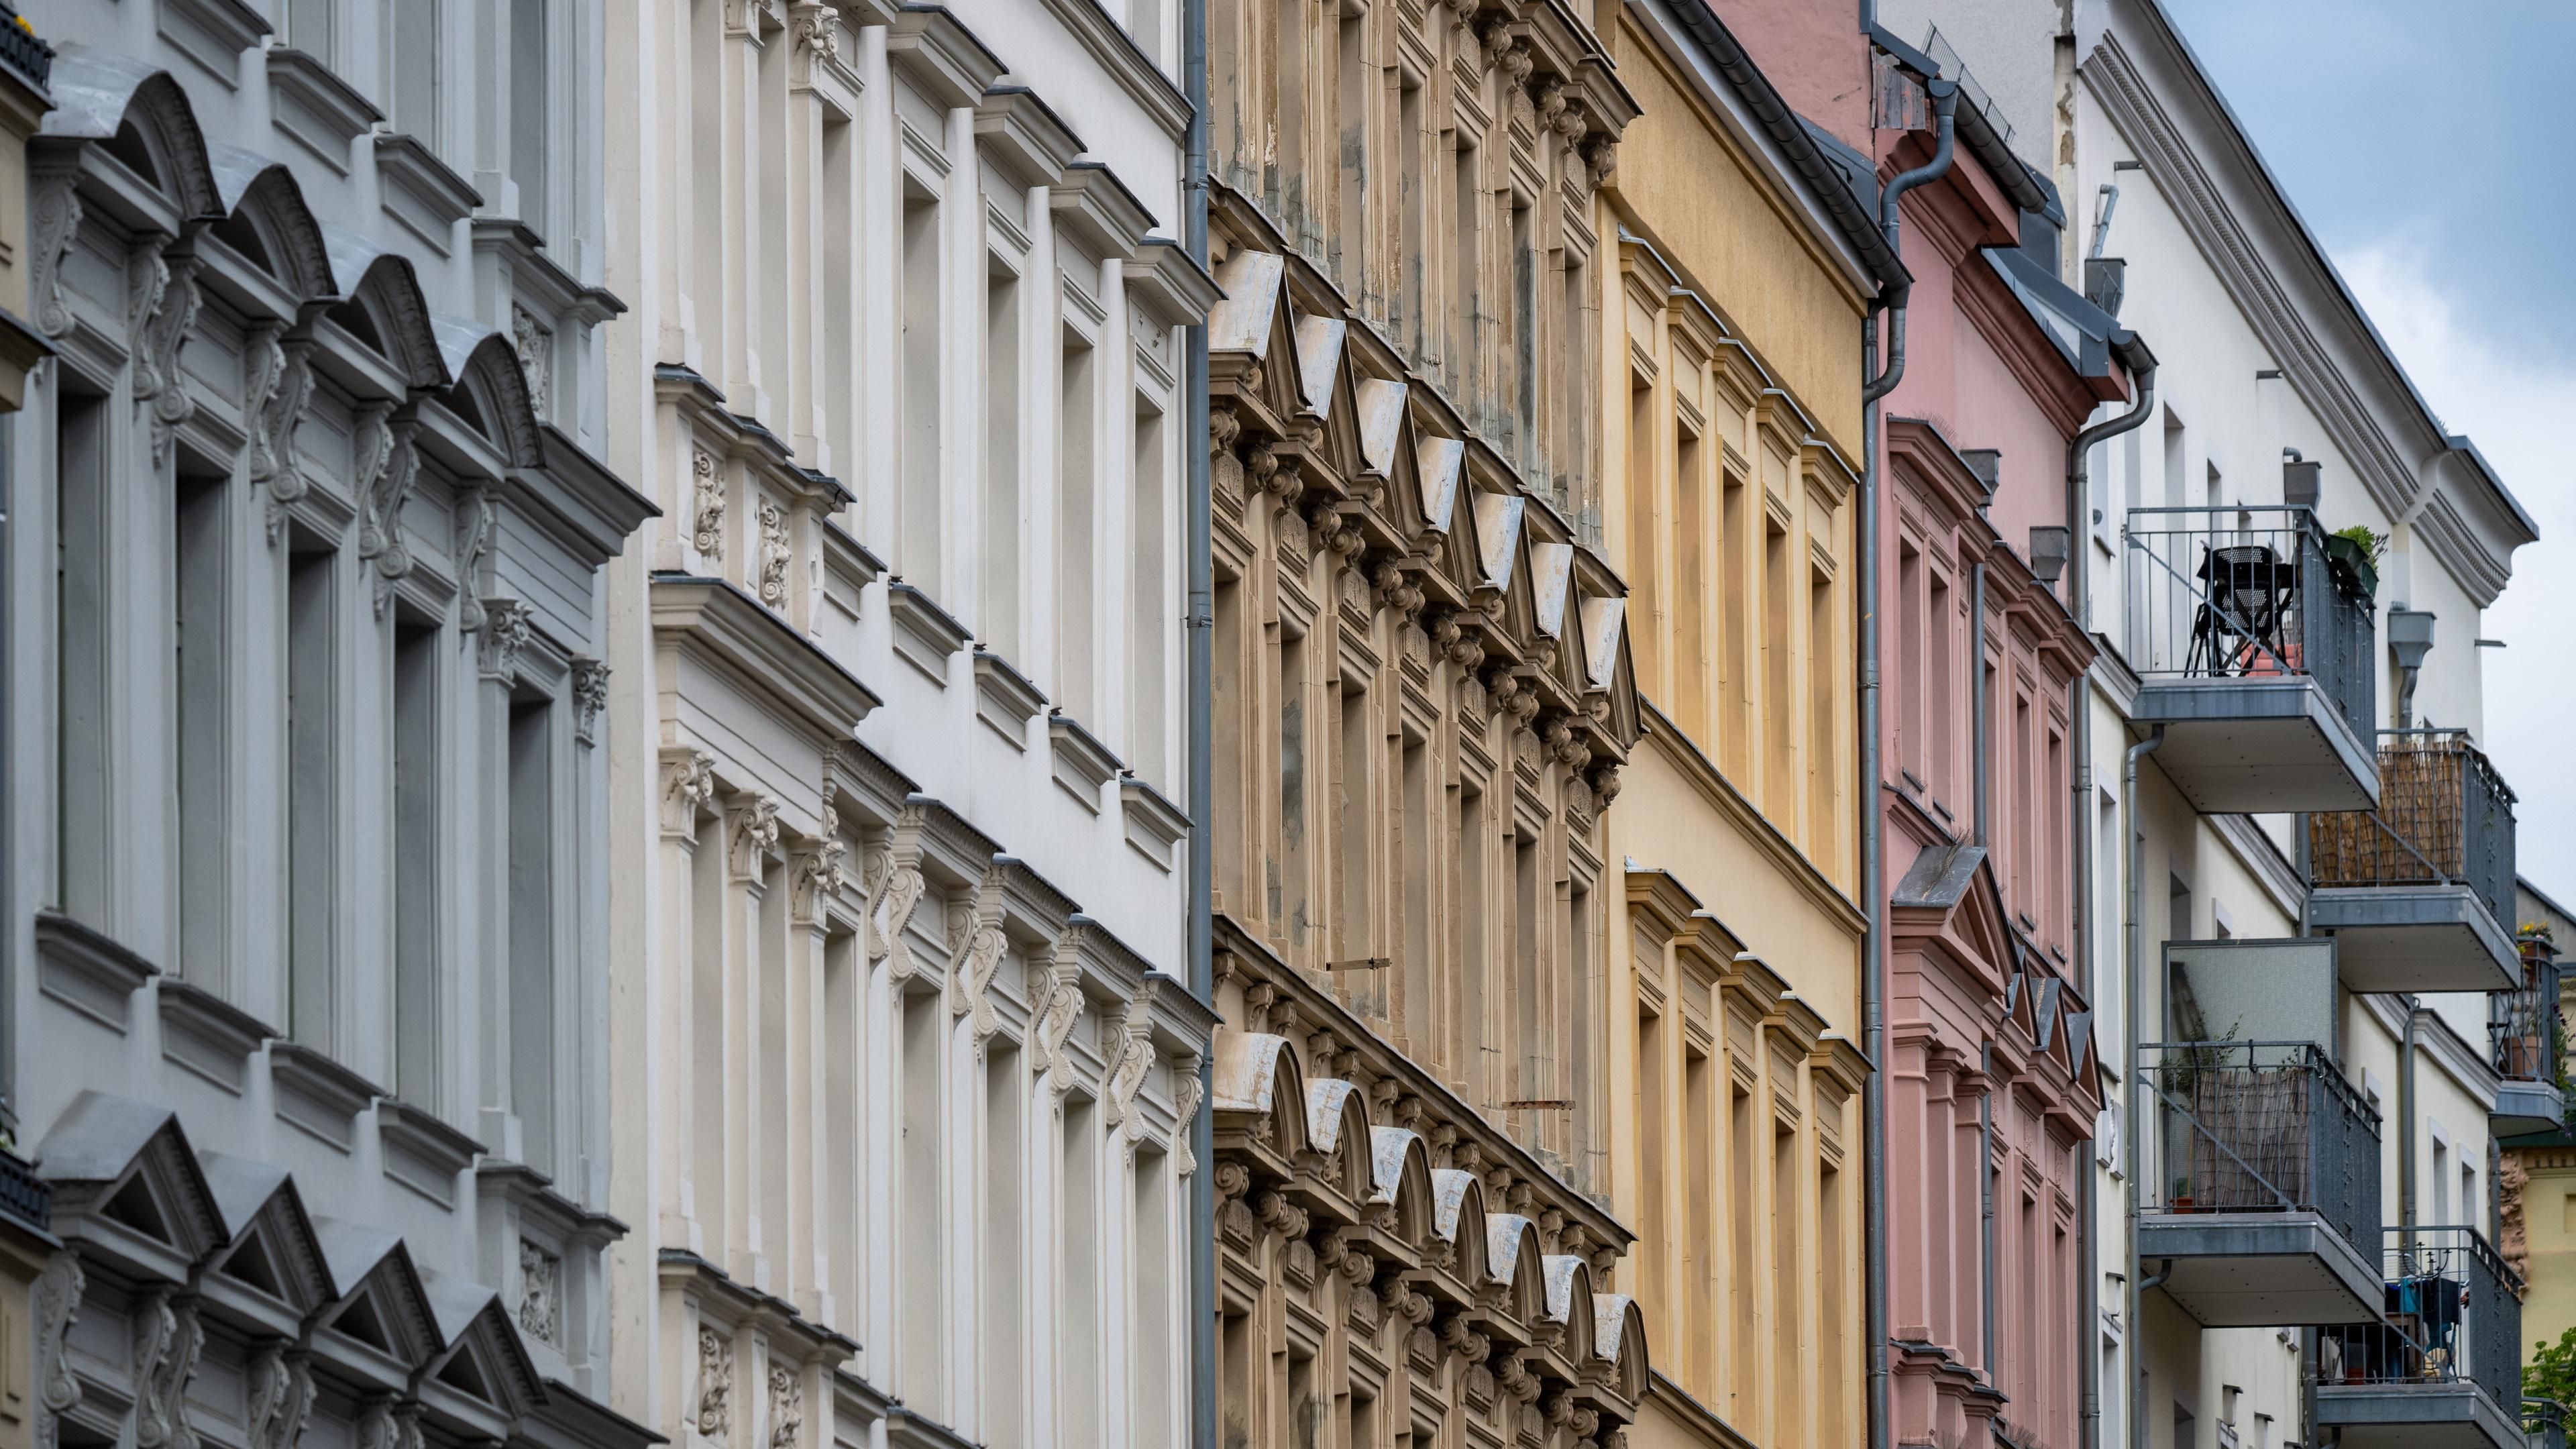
306,762
1423,699
1731,360
905,1054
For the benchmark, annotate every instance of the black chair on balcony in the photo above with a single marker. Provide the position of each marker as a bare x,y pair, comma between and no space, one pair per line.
2246,593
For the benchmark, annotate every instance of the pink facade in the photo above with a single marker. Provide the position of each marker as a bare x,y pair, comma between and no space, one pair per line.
1984,1014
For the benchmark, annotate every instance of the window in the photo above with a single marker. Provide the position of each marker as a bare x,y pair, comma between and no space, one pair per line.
1078,1365
311,27
412,51
844,978
531,848
1736,725
81,608
1690,586
312,791
1150,1353
1354,866
1351,228
531,116
417,862
1077,656
923,1021
1288,910
201,650
1150,610
1005,1097
1645,538
998,610
917,501
1656,1245
1413,827
1466,228
1824,733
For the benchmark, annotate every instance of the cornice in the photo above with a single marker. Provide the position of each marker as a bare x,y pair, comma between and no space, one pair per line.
1118,54
717,616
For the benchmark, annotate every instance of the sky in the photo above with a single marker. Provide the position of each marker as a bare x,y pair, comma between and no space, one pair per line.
2421,141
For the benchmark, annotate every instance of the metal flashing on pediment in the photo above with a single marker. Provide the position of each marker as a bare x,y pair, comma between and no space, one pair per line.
1155,826
924,633
208,1035
88,970
315,107
1005,699
1083,765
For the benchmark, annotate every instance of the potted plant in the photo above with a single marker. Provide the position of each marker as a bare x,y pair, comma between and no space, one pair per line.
2353,554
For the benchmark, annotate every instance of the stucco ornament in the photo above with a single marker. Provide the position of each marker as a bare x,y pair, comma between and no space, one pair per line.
816,874
770,578
1188,1091
388,467
540,1294
751,832
715,1383
281,1397
534,346
476,525
707,507
589,698
387,1424
976,943
167,1340
167,319
56,1302
1131,1058
894,888
1062,1008
275,390
688,783
786,1406
53,223
508,625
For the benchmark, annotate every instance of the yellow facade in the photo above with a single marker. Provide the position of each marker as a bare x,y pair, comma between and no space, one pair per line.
1731,422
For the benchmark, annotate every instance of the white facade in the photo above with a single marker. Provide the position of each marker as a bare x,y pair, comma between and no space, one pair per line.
903,1059
306,751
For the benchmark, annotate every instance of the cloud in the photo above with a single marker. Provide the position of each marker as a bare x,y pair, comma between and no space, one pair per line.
2515,404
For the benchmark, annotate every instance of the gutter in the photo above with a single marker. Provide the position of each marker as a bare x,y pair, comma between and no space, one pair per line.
1876,247
2131,849
1873,865
2133,354
1198,629
2029,190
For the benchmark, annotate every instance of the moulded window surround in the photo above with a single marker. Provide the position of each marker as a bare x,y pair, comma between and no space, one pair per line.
418,864
312,792
201,664
1077,568
1465,227
1779,799
530,846
81,658
1290,905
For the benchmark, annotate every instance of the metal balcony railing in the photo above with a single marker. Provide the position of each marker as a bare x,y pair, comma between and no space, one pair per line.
2522,1024
2444,815
2245,592
2263,1126
2544,1424
2454,1315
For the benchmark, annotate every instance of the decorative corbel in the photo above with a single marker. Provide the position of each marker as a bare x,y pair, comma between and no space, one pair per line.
507,627
751,832
589,697
688,783
975,944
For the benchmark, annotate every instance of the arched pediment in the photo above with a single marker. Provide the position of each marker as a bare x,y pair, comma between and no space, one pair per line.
490,391
1569,1303
126,1183
1498,519
1337,1127
1401,1178
1619,1338
1257,1074
266,220
1512,1251
139,112
1458,1199
1439,464
380,303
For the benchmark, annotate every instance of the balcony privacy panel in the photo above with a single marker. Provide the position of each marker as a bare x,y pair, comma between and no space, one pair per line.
2274,990
2243,592
2444,815
2263,1126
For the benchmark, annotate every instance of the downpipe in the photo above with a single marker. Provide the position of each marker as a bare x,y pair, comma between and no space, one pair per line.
2132,853
2082,817
1199,627
1874,386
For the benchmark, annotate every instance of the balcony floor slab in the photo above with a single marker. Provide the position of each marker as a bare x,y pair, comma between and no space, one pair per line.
2435,1415
2260,1270
2258,745
2523,1107
2415,938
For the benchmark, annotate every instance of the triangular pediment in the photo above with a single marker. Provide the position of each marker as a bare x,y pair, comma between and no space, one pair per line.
126,1183
383,1303
485,1361
274,1251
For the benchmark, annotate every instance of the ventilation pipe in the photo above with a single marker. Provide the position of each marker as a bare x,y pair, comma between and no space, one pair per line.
1199,623
1945,100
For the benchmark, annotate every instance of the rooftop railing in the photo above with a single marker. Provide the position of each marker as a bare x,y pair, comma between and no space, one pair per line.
2444,815
2238,592
2263,1127
2453,1311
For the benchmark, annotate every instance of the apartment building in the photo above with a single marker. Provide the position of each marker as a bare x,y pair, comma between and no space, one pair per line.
307,756
1733,418
905,1059
1423,701
2300,864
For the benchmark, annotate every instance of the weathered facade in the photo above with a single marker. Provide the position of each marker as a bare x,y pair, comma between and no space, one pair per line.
1422,700
1731,367
307,763
905,1061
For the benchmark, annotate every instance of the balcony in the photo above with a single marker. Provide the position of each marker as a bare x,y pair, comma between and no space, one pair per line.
2527,1046
2544,1424
2253,651
2265,1184
2444,1368
2418,892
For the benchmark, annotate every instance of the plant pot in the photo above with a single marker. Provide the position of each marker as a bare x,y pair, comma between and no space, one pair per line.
2350,560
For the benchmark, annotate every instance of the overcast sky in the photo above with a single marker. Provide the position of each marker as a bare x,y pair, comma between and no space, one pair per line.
2424,144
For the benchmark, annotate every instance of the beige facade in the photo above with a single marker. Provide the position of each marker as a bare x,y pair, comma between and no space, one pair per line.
1422,702
1731,375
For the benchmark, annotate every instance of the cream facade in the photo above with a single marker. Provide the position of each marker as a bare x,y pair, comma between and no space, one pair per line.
905,1062
1732,384
307,754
